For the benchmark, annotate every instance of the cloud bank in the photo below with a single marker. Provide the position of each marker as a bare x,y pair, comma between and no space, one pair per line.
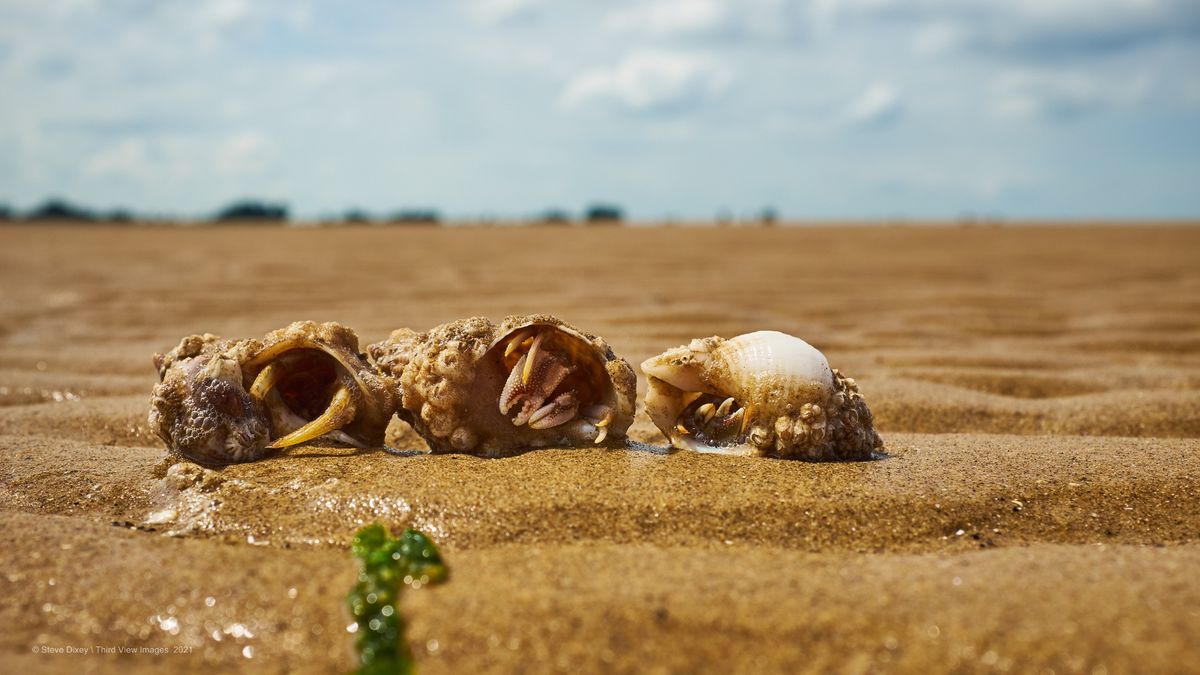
684,108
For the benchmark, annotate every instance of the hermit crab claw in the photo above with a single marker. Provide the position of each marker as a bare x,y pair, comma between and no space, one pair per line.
222,402
758,394
472,386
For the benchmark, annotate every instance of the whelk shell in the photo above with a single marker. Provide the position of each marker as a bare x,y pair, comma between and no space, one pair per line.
759,394
228,401
475,387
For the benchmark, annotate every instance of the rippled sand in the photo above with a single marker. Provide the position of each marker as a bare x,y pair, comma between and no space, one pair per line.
1038,391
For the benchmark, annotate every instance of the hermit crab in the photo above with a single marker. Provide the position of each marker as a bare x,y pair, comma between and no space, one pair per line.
228,401
759,394
475,387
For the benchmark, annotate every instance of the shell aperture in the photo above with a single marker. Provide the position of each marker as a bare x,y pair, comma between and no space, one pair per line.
553,379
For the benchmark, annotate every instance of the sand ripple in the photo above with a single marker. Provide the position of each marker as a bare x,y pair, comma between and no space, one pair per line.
1038,391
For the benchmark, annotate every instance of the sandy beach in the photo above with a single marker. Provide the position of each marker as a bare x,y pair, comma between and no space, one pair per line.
1038,508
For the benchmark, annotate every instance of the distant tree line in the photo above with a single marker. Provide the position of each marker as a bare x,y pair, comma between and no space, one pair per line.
408,216
62,210
265,212
252,210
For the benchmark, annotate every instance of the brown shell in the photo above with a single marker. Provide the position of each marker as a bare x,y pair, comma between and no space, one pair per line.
201,408
450,378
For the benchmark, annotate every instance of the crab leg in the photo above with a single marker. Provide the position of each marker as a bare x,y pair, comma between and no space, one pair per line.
602,425
599,416
531,395
559,411
284,420
340,412
267,379
531,358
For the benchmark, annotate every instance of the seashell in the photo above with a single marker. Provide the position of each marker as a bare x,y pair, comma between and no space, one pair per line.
228,401
532,381
759,394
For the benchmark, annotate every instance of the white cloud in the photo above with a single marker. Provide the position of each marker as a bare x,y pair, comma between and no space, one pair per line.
670,17
299,17
648,80
878,104
499,11
1059,94
222,12
243,153
939,37
127,158
213,23
709,18
145,160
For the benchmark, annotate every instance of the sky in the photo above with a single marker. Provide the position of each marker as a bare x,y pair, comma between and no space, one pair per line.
818,109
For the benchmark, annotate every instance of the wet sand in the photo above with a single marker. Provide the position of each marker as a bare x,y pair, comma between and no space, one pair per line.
1038,391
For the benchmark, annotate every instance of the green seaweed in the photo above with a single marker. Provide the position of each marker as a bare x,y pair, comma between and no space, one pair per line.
387,564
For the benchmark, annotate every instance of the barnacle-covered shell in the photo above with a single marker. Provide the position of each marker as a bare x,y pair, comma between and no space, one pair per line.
453,380
227,401
782,397
200,407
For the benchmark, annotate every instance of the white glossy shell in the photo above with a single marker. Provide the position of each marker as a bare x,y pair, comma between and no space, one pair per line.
796,405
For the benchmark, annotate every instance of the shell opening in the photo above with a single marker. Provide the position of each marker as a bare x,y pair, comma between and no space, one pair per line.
308,394
714,421
553,378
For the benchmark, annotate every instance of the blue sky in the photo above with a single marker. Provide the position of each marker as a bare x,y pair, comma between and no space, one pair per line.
670,108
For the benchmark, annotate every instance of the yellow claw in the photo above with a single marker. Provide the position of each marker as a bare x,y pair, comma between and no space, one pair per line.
745,419
530,357
516,342
723,409
339,413
267,379
602,425
681,429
